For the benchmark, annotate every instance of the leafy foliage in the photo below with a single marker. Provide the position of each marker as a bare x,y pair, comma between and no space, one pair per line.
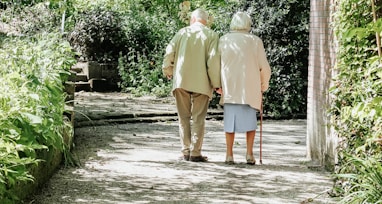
283,25
357,92
140,69
98,35
31,104
365,183
32,17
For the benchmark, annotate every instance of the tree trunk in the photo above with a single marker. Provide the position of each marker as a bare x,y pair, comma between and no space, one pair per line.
321,143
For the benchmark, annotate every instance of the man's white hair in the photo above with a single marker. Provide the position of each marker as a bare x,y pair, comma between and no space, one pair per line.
200,14
241,21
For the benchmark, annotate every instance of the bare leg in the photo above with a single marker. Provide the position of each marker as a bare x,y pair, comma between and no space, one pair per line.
229,138
250,141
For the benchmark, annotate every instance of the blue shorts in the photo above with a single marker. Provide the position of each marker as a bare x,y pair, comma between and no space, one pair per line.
239,118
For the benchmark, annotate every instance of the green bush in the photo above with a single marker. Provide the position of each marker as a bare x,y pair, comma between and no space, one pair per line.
147,34
32,102
32,19
127,34
98,35
355,109
283,26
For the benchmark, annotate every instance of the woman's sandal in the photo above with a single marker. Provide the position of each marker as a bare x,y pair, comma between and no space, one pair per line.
250,160
229,160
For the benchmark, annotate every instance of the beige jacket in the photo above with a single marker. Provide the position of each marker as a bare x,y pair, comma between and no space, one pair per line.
245,70
193,60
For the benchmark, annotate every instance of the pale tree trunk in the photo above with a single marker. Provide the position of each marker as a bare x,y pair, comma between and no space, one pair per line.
321,142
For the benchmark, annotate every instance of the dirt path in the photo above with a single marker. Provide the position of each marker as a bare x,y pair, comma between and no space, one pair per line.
138,162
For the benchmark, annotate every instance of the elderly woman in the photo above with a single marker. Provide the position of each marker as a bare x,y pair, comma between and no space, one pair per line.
245,73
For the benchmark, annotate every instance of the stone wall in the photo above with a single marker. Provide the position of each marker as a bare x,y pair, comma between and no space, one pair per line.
321,142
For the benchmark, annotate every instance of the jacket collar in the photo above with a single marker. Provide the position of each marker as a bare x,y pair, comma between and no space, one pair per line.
197,24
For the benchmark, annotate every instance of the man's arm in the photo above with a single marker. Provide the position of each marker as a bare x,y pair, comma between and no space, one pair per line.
168,60
213,62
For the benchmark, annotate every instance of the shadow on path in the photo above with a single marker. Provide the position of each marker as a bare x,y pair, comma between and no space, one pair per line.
138,163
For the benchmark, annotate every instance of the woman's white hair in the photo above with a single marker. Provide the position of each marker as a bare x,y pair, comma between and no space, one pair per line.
200,14
241,21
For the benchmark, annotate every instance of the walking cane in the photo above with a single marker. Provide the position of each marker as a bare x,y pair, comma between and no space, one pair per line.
261,130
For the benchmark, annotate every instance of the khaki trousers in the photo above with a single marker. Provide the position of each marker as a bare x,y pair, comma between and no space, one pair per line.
191,106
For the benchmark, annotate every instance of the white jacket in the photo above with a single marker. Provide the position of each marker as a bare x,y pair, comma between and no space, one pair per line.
245,71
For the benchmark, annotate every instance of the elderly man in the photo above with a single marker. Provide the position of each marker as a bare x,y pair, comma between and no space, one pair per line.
193,62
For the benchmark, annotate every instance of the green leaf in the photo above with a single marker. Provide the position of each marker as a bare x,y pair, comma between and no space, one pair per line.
34,96
34,119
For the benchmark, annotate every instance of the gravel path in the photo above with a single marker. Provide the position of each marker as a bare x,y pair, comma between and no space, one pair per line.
128,161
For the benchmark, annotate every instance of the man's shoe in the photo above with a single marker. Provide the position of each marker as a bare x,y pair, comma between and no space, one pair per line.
198,159
185,157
